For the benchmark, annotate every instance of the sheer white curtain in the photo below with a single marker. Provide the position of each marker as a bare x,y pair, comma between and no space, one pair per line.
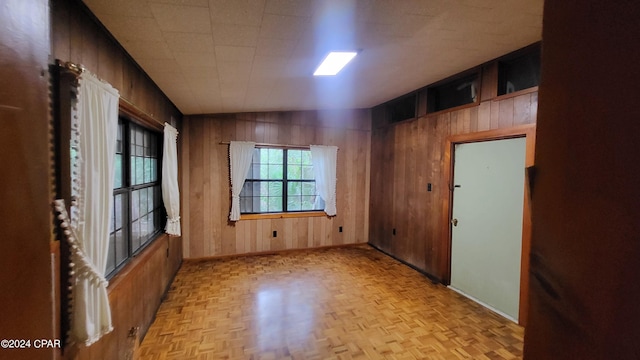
240,155
94,141
325,160
170,191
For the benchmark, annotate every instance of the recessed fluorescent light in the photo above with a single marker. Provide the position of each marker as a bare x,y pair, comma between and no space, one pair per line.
334,62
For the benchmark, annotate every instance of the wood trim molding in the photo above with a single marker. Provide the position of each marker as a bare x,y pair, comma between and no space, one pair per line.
273,252
515,93
527,131
283,215
138,115
455,108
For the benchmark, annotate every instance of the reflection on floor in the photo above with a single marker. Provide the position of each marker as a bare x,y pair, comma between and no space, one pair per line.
340,303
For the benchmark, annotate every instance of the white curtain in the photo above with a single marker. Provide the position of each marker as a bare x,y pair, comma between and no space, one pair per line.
325,160
94,136
170,191
240,155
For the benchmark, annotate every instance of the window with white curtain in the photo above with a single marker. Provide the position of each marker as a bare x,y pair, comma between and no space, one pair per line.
280,180
138,215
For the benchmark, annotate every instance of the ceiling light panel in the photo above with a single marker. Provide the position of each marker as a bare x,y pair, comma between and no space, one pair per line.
334,62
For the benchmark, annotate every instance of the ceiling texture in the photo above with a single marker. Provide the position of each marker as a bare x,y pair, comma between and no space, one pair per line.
222,56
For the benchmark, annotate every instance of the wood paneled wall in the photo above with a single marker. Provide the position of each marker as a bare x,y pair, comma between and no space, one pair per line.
585,249
206,195
135,295
26,280
78,38
136,292
407,156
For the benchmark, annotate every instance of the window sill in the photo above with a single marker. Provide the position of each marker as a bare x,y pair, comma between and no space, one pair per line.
282,215
516,93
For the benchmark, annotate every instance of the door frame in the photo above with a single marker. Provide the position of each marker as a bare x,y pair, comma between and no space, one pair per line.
529,133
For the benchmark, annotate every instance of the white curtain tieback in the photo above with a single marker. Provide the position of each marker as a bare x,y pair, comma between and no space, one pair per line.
82,265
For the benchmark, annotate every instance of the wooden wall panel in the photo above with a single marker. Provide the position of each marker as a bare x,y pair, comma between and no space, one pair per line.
135,295
409,155
586,198
78,38
207,183
26,252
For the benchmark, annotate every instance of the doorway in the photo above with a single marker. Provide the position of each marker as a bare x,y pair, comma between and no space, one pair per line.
526,133
486,235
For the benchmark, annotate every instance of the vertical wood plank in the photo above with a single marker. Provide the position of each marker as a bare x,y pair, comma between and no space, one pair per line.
505,119
484,116
495,115
196,220
533,108
521,109
207,174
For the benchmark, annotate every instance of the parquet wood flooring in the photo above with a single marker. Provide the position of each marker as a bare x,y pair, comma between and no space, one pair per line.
338,303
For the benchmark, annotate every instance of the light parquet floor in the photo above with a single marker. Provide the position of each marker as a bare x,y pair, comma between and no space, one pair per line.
339,303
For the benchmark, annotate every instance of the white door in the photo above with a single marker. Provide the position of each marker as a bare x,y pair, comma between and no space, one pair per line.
486,235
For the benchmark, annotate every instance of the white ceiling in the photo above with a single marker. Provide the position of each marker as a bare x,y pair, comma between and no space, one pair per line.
215,56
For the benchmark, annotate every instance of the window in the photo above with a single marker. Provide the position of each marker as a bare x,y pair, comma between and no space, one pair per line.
402,108
519,73
280,180
460,91
138,214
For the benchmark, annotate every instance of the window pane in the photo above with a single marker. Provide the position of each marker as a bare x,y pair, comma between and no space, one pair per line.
150,203
294,188
254,172
147,143
275,171
260,155
154,146
264,171
139,136
135,205
307,173
111,256
275,156
154,169
275,204
246,204
294,203
139,179
307,202
119,138
117,177
294,157
144,228
294,172
117,210
135,235
132,176
143,201
275,188
308,188
147,169
122,249
306,157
